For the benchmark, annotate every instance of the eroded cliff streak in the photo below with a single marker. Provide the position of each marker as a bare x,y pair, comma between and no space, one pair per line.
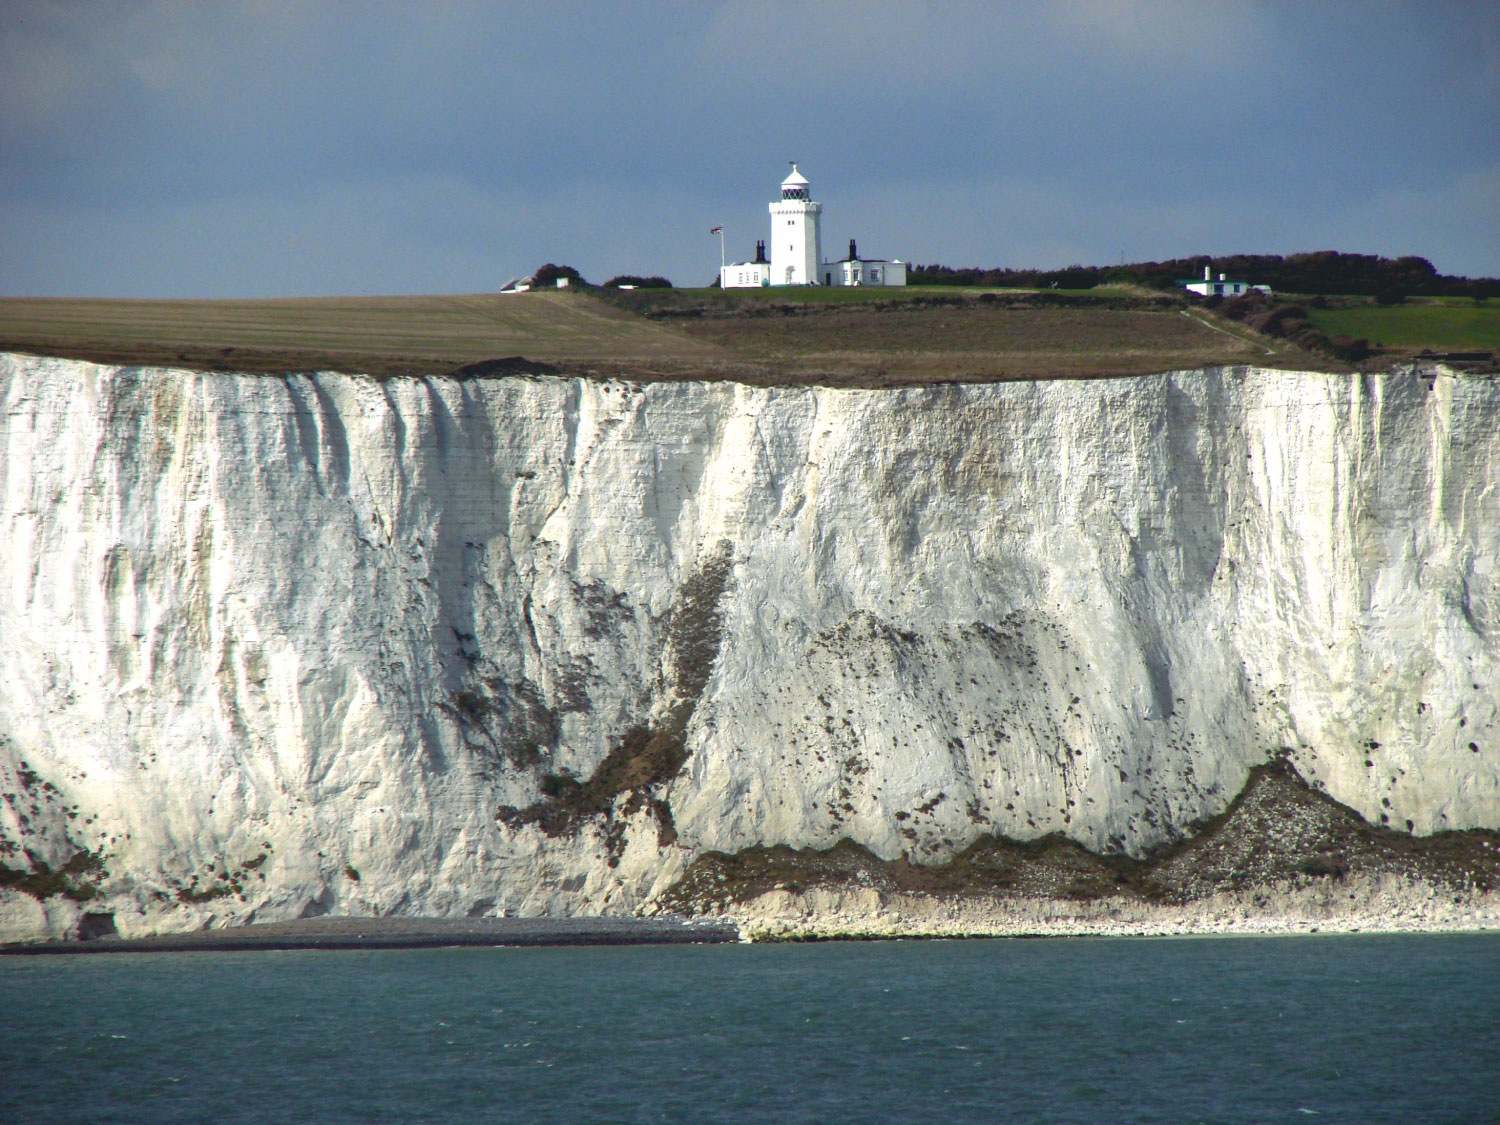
281,646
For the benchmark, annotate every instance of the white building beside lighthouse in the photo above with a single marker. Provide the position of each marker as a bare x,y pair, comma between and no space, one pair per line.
796,249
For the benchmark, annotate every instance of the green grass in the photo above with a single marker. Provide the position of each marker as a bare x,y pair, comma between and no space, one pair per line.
1439,324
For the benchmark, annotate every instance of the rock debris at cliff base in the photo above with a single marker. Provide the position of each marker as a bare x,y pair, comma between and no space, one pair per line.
1276,832
322,645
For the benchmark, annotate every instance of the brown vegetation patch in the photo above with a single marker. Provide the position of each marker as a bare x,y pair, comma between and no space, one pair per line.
77,879
977,343
646,758
1277,830
643,758
912,337
36,807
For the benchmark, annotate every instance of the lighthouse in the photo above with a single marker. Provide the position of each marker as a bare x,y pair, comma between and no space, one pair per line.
796,249
796,233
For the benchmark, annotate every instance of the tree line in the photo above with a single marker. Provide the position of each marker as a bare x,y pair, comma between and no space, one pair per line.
1325,272
546,277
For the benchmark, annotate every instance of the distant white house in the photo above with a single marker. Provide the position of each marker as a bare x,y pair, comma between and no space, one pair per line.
796,250
527,284
1222,286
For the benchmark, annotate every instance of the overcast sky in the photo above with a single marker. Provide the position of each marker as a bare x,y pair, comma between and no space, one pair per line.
301,148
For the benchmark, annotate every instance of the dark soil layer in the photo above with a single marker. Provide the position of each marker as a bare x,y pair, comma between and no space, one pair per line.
1278,829
406,933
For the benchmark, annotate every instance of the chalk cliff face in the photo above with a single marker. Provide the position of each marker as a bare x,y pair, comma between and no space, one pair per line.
282,646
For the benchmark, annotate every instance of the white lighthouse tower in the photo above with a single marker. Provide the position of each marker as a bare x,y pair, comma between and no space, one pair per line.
796,233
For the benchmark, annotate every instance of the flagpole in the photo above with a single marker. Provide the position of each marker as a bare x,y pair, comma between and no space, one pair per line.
722,260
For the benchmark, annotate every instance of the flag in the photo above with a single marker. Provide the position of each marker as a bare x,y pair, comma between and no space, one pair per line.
715,230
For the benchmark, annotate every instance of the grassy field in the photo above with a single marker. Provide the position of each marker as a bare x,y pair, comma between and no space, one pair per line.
864,337
872,336
374,335
972,341
1441,324
736,299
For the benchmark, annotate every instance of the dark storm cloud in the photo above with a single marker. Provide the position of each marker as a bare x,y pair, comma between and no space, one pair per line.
248,149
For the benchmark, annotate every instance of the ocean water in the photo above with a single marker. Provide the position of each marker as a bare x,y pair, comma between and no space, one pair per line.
1306,1029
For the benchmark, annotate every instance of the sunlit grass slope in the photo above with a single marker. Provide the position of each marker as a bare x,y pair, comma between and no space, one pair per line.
1440,324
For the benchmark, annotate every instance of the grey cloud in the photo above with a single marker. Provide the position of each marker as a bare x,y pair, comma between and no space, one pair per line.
393,147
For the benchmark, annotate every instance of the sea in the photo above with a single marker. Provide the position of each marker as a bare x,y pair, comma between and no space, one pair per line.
1272,1029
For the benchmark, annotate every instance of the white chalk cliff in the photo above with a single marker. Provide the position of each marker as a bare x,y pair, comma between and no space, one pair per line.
275,646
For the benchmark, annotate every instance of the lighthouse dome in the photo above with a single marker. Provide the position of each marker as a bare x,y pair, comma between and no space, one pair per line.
795,185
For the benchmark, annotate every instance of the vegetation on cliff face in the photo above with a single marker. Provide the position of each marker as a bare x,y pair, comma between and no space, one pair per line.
648,756
1278,829
77,879
47,825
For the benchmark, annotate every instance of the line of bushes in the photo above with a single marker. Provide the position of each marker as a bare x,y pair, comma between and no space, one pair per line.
546,277
1327,272
1289,322
635,281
